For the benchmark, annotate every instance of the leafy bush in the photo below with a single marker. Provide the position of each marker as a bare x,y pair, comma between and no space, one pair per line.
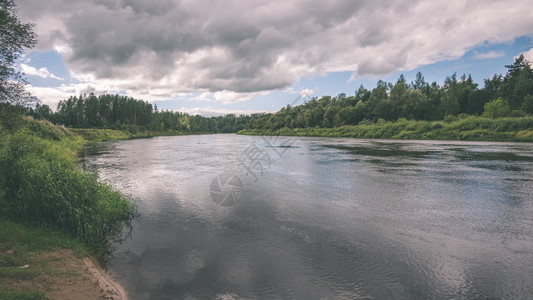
496,108
516,114
450,118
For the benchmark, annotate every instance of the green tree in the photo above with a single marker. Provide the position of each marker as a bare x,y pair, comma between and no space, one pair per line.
398,98
378,104
466,94
362,94
450,101
492,87
14,37
518,82
414,106
41,112
329,117
497,108
91,111
420,84
527,105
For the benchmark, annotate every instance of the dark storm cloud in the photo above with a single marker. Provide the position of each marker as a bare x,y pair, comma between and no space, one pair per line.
252,46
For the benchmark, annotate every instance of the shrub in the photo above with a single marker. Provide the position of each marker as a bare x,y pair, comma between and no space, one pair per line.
516,114
496,108
450,118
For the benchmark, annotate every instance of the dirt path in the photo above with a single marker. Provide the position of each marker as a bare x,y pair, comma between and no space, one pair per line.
69,277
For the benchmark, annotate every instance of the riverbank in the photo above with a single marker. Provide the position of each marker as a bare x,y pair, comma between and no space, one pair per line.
470,128
39,262
105,135
56,220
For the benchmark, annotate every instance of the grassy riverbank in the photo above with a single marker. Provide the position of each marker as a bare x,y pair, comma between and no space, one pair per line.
102,135
48,204
469,128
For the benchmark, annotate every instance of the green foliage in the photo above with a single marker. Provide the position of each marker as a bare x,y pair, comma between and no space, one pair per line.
11,116
518,82
527,105
14,37
465,128
20,295
41,184
134,117
496,108
450,118
459,98
100,135
26,239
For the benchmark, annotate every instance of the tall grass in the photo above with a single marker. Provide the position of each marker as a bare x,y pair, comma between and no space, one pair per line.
472,128
41,184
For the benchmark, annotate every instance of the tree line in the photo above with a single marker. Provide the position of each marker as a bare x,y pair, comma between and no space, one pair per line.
501,96
126,113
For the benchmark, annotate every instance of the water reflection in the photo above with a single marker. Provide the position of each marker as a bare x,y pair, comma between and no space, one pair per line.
330,219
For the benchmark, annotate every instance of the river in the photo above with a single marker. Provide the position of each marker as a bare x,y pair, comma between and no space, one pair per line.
246,217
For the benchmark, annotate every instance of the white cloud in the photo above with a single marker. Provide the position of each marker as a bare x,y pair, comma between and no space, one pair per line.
489,55
352,78
307,93
50,96
227,97
41,72
202,97
233,50
210,111
528,55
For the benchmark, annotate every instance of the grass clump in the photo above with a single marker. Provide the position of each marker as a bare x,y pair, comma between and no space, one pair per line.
40,184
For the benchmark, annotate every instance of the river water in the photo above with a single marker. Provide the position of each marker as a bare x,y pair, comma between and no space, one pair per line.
243,217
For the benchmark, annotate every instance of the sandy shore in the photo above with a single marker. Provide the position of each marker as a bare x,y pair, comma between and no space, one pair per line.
110,288
63,275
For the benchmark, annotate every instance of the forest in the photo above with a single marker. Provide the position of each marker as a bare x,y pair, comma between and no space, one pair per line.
125,113
501,96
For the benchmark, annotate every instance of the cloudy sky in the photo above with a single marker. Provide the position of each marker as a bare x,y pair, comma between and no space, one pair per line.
246,56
